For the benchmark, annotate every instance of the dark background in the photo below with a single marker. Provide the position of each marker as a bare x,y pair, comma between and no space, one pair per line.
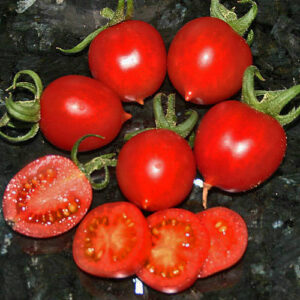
44,269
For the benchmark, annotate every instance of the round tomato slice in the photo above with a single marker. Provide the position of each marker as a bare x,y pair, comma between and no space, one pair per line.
228,239
47,197
112,241
179,247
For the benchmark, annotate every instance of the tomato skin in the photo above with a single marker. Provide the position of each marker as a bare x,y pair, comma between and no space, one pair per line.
238,147
180,244
228,239
49,205
73,106
206,61
107,231
156,169
129,57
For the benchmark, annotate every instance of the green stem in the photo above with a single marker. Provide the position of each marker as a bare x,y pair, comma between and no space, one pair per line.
239,25
22,138
97,163
114,18
272,102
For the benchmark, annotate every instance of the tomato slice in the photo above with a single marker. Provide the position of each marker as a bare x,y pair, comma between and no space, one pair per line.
113,240
180,245
47,197
228,239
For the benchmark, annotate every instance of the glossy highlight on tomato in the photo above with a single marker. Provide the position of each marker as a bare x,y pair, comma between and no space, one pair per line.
73,106
47,197
237,147
228,239
156,169
207,60
130,58
180,245
113,240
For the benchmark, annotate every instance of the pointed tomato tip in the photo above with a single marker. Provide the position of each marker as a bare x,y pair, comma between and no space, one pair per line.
126,116
206,188
188,96
140,101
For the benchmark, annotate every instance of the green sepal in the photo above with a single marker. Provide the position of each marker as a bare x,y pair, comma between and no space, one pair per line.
114,17
32,132
101,162
240,25
272,102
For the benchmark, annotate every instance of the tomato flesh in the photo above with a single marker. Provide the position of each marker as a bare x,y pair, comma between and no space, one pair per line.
228,239
113,240
238,147
156,169
130,58
47,197
207,60
73,106
179,247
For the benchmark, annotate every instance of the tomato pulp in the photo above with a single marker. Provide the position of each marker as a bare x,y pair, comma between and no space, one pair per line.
207,60
228,239
113,240
156,169
47,197
238,147
130,58
73,106
180,245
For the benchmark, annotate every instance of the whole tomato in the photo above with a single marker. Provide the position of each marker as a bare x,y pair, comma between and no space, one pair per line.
130,58
156,169
238,147
206,60
73,106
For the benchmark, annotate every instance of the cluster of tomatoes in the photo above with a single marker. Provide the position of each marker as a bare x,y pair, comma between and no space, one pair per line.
156,168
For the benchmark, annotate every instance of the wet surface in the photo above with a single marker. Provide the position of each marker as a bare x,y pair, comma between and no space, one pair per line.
44,269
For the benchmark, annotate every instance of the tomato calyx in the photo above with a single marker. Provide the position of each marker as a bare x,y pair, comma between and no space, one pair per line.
272,102
100,162
239,25
25,114
114,17
168,120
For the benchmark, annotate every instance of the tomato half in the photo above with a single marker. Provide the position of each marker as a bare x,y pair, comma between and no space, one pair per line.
47,197
156,169
238,147
113,240
228,239
130,58
179,247
73,106
207,60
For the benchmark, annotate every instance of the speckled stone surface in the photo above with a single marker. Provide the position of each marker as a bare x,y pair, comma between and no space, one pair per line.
44,269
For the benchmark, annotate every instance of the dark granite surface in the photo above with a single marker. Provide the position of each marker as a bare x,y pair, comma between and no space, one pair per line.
44,269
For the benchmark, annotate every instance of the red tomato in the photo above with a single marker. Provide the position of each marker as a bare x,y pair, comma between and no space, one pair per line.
73,106
207,60
156,169
47,197
180,245
113,240
238,147
228,239
129,57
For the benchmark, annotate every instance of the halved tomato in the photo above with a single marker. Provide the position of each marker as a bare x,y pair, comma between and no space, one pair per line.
113,240
47,197
179,247
228,239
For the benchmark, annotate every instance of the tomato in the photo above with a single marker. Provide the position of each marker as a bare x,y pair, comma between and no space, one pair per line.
73,106
130,58
180,245
156,169
206,60
228,239
113,240
238,147
47,197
